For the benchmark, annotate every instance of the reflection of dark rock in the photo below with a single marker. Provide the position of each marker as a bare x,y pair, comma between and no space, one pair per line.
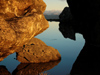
65,15
4,71
20,20
33,69
88,61
36,51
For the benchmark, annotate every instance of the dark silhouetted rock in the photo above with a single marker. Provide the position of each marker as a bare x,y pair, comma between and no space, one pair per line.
86,20
86,14
65,15
67,30
4,71
34,69
20,20
36,51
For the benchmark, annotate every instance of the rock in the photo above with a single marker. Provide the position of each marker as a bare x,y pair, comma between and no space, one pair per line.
67,30
34,69
84,10
20,20
4,71
65,15
19,8
86,14
36,51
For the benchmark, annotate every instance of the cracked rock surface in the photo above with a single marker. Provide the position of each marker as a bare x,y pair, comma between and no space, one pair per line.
20,20
36,51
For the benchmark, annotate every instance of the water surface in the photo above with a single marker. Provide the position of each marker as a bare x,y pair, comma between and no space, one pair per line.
69,50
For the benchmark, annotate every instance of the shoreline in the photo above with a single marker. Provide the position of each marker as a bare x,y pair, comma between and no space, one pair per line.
57,20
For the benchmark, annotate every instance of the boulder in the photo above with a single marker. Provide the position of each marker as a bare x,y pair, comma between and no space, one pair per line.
36,51
20,20
19,8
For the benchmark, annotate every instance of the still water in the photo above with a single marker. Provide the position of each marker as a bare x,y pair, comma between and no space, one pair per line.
69,50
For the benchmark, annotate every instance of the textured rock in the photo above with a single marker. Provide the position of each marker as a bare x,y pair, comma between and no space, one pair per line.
34,69
20,20
20,8
36,51
4,71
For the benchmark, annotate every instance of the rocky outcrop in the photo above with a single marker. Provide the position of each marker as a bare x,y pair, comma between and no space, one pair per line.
86,15
34,69
36,51
20,20
67,30
65,15
86,20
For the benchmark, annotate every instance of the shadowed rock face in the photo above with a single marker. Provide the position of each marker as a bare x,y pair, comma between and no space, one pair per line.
20,20
19,8
86,20
67,30
65,15
86,15
36,51
34,69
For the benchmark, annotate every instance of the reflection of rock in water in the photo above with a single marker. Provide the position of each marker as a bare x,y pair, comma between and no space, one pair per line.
88,61
36,51
4,71
20,20
34,69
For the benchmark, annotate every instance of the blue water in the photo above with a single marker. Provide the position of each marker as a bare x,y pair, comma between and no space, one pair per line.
69,50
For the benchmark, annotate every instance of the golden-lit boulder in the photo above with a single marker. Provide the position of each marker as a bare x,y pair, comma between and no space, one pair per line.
20,20
36,51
